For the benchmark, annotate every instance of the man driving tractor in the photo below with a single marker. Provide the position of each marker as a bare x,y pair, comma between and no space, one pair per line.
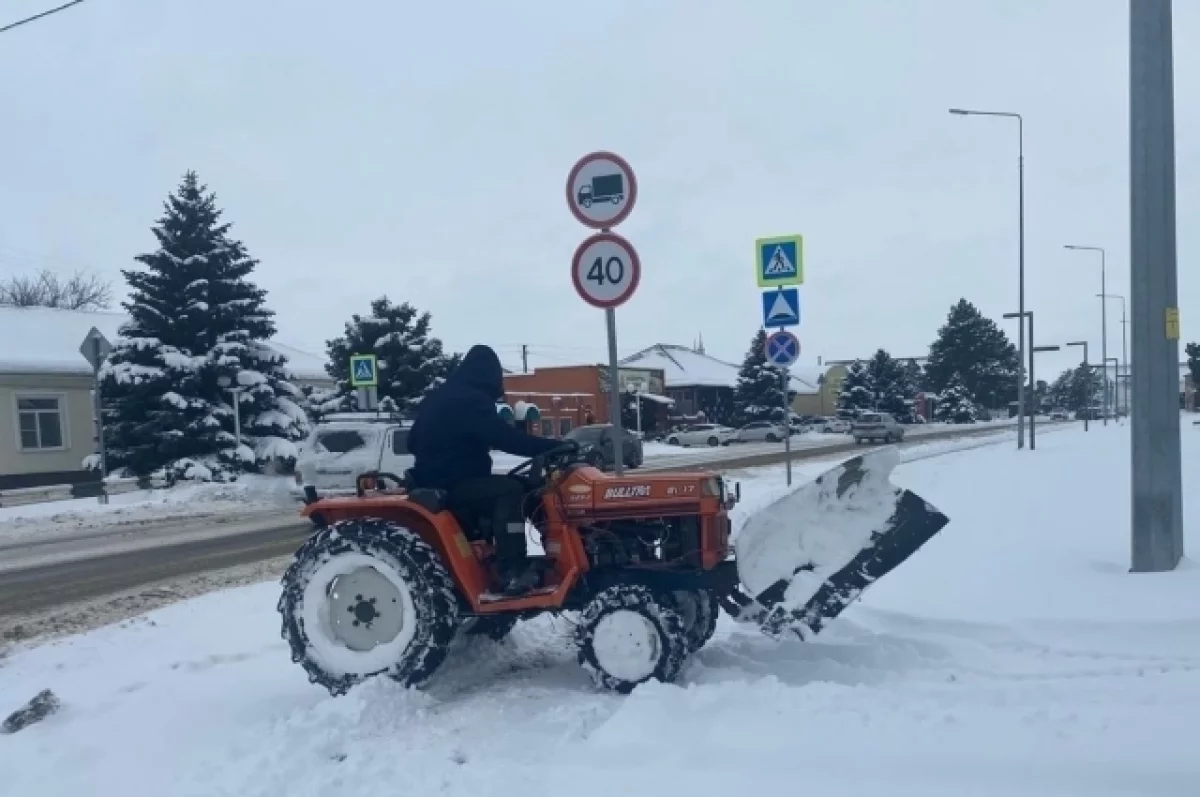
455,428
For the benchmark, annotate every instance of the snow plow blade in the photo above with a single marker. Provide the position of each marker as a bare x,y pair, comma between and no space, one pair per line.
805,558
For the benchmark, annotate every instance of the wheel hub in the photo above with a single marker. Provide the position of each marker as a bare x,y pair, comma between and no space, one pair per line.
365,609
627,645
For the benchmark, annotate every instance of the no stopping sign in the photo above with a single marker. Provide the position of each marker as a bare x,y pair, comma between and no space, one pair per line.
605,270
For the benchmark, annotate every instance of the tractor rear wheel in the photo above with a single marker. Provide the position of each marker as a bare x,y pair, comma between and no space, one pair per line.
698,609
628,634
367,597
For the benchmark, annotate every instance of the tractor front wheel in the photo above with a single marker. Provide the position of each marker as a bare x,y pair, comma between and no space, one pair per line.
367,597
699,610
628,635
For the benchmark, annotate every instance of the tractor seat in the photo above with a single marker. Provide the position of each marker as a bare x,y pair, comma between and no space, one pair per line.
429,499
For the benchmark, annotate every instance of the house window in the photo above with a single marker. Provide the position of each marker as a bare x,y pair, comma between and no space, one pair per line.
547,427
564,427
40,421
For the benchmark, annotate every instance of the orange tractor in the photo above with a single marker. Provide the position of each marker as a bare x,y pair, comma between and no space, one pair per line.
392,575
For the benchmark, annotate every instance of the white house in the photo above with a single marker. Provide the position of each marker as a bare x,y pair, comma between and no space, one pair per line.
696,380
46,416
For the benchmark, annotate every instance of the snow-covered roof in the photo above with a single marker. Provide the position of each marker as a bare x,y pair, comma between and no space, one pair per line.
685,367
43,340
302,364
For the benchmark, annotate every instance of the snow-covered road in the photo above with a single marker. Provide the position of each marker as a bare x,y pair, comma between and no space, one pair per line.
1013,655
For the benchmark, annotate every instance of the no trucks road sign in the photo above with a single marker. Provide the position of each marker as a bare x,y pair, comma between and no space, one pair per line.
601,190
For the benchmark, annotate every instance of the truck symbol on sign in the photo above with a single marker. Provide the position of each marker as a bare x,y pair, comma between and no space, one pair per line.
603,188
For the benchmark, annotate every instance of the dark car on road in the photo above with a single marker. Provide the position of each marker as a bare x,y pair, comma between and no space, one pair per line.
596,444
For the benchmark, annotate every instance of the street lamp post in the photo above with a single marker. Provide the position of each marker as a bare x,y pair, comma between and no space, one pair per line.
1086,409
1116,380
1103,320
1032,384
1020,259
1122,392
226,384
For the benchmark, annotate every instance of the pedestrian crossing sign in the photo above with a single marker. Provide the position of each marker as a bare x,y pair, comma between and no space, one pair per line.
364,370
779,261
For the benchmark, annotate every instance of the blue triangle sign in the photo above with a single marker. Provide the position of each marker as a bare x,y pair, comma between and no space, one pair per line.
781,308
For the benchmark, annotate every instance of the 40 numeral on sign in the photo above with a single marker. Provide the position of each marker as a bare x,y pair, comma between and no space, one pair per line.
606,270
612,270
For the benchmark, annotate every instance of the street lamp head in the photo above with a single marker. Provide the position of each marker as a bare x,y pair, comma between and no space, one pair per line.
959,112
1077,343
1045,348
1018,315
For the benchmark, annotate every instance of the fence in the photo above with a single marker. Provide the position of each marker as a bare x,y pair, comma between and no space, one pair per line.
63,492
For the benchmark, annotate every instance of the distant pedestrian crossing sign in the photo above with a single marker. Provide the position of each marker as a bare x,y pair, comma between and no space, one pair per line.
779,261
364,370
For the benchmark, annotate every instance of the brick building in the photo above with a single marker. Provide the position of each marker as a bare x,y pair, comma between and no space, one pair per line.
577,395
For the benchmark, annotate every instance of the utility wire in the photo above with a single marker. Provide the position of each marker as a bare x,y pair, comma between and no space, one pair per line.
39,16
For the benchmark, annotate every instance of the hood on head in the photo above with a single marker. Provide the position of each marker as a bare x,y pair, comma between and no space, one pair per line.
481,369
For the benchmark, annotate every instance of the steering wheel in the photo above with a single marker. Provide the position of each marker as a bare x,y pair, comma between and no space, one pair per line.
540,464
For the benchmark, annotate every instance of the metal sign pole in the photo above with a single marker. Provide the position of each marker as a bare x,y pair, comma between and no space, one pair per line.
237,417
787,427
614,390
99,410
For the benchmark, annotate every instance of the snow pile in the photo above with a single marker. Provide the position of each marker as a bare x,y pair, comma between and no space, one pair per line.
1012,655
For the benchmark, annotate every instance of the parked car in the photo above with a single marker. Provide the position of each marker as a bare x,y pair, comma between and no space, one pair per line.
833,425
872,426
762,431
596,444
702,434
339,450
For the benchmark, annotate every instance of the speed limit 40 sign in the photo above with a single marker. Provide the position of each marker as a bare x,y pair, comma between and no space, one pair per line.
606,270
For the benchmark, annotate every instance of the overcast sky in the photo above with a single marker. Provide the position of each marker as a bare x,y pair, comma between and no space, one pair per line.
420,150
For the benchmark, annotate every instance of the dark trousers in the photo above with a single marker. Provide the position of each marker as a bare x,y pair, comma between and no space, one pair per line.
492,506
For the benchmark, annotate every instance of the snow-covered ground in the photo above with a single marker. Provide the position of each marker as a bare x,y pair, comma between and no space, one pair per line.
1013,655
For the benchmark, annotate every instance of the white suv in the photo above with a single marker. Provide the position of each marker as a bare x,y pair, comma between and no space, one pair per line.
338,451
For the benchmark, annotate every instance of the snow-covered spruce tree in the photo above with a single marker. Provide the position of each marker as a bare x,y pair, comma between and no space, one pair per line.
857,392
411,362
955,404
893,391
1059,392
973,347
195,319
758,395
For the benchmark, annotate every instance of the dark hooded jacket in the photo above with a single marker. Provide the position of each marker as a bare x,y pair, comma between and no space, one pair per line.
457,424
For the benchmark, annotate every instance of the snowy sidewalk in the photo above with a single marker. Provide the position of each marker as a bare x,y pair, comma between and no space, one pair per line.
1013,655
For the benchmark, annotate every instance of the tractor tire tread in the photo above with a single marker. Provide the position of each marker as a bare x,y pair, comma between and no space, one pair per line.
657,607
433,591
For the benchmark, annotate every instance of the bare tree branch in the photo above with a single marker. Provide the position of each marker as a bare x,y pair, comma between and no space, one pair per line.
46,289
